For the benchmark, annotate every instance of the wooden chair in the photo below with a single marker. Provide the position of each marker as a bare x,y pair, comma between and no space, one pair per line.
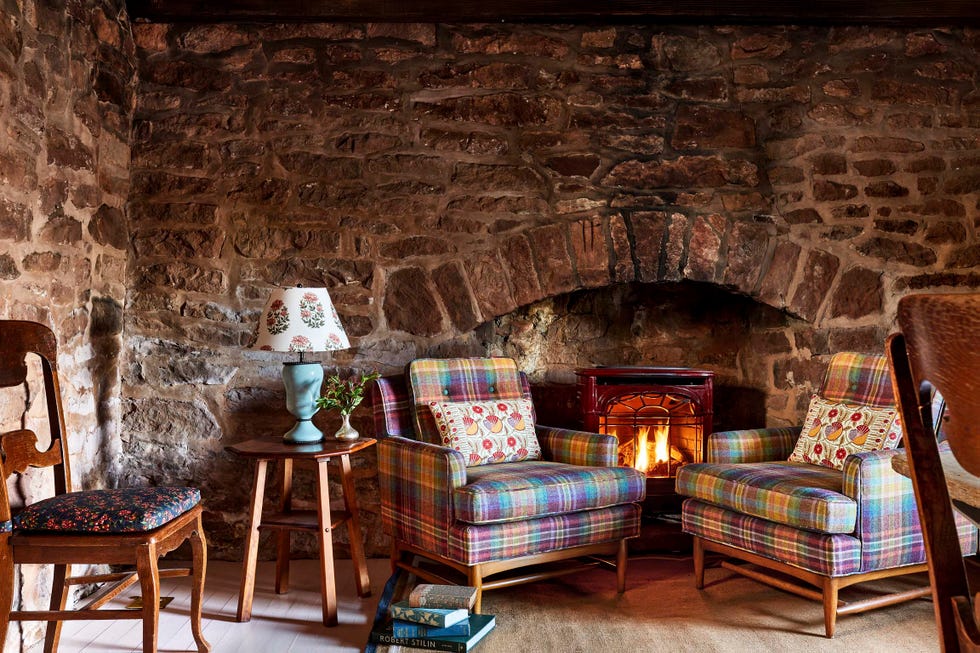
937,351
101,527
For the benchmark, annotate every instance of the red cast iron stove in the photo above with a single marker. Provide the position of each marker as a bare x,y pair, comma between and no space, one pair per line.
660,415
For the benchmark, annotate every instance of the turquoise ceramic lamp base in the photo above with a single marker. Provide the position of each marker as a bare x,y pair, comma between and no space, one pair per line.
302,381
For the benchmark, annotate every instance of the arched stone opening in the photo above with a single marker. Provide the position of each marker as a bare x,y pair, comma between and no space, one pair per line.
764,368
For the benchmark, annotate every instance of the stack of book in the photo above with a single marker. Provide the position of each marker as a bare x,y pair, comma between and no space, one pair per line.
435,617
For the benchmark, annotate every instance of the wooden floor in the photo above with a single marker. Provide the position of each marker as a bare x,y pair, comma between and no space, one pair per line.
286,623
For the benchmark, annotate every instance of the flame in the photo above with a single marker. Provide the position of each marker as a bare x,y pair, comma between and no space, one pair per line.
661,446
642,461
661,451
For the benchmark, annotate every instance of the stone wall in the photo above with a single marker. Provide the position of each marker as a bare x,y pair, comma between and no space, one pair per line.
67,83
438,178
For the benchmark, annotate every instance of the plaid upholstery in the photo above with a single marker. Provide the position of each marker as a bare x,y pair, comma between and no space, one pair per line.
524,490
888,522
427,492
794,494
756,507
471,544
752,445
861,379
831,555
459,379
577,447
390,403
416,481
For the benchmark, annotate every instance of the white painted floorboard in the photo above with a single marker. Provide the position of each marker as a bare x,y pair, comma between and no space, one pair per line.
285,623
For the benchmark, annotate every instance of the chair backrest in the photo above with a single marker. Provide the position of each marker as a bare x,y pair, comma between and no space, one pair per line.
392,399
860,379
941,334
936,351
459,379
19,450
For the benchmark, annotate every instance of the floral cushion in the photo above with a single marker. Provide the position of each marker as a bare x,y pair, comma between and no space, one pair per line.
832,431
127,510
499,431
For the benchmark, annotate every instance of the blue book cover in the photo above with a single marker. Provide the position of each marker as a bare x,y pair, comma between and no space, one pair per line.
408,629
436,617
480,625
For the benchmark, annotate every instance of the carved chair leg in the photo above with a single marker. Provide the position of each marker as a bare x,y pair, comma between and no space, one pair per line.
698,556
199,553
149,574
59,599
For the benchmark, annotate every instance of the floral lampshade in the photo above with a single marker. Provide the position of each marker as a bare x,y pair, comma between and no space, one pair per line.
300,320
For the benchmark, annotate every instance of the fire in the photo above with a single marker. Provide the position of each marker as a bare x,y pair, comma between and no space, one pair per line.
642,461
661,446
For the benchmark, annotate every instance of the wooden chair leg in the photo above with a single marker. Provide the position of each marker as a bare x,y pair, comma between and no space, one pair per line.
622,557
199,553
59,599
475,579
830,592
698,556
6,587
149,574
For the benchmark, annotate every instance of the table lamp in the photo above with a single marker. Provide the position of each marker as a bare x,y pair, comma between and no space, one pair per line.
301,320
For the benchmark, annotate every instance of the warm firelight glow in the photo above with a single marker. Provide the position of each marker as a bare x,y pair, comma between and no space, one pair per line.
642,461
661,451
661,446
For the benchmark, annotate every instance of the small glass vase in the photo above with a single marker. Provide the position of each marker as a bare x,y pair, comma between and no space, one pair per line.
346,432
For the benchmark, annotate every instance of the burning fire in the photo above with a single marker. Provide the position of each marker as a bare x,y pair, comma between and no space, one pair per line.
661,446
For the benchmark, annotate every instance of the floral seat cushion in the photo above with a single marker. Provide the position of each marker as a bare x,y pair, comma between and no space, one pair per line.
126,510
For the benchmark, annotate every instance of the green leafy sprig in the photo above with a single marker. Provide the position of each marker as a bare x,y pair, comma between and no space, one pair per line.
344,394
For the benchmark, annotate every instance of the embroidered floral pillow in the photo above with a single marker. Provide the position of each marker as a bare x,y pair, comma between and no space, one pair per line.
833,431
487,432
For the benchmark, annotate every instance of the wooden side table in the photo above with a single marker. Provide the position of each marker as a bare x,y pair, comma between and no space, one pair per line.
320,521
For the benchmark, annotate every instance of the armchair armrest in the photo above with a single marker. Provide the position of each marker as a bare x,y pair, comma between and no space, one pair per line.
416,481
887,518
577,447
752,445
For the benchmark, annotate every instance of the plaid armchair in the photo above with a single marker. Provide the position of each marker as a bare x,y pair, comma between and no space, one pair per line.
491,519
826,527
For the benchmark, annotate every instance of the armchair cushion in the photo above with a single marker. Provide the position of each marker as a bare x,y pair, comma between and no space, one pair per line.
526,490
832,431
486,432
794,494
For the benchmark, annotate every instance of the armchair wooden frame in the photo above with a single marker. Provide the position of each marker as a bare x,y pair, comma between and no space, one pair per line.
489,575
142,550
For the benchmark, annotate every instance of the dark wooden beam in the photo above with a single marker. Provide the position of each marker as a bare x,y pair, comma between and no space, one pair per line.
907,12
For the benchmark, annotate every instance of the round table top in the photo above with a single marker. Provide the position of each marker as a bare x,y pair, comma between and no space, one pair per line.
274,447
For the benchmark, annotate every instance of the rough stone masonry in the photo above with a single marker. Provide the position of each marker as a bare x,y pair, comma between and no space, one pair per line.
460,189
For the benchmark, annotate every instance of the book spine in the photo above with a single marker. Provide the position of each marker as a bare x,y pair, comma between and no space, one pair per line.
435,617
418,642
409,629
442,602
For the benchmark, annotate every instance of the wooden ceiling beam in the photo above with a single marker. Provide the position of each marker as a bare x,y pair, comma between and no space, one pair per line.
916,12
